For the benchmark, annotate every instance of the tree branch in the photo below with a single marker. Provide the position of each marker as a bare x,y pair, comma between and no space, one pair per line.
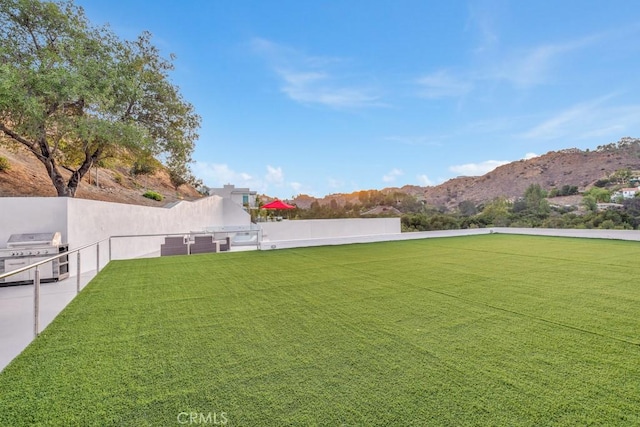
13,135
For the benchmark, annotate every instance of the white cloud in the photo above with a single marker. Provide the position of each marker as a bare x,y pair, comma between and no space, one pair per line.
534,66
477,169
274,175
481,19
442,84
218,174
581,119
311,80
318,88
424,180
426,141
392,175
335,183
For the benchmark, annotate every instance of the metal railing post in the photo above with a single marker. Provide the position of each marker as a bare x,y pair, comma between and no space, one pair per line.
109,249
98,258
79,271
36,303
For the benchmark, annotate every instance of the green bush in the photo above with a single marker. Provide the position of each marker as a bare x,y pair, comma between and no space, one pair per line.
153,195
144,167
4,164
117,178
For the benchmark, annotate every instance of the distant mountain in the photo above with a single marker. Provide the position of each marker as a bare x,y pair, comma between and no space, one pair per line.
555,169
574,167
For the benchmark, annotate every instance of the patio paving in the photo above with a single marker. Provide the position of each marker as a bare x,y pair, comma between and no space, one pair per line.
16,312
16,309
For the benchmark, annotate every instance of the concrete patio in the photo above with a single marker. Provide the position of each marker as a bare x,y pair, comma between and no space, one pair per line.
16,309
16,312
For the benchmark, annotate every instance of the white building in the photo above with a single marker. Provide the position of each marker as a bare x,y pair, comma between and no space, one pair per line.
625,193
241,196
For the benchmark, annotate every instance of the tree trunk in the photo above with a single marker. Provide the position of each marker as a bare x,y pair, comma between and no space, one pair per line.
69,188
52,169
76,177
43,153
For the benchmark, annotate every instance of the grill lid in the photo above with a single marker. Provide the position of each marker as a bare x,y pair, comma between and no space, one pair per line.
34,239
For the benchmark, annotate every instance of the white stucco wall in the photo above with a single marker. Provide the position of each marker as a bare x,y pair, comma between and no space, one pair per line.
347,240
569,232
32,215
83,222
344,240
328,228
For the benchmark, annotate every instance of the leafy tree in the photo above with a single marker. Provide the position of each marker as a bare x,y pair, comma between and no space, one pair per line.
569,190
535,201
632,209
414,222
74,94
601,195
496,213
590,202
565,190
621,176
410,204
467,208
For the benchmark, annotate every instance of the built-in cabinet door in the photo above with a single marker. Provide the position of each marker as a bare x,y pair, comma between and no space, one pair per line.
11,264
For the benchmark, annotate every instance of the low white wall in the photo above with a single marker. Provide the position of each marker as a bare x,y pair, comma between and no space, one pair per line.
345,240
566,232
591,234
328,228
83,222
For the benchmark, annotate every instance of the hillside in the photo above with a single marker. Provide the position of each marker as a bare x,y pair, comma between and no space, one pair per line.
552,170
27,177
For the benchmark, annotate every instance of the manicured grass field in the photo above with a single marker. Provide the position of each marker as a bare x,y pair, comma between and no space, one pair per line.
468,331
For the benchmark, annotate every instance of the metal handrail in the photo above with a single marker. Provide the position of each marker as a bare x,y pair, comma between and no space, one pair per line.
46,260
36,280
36,266
97,243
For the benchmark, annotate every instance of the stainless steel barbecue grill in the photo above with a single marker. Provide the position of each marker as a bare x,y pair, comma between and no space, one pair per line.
29,248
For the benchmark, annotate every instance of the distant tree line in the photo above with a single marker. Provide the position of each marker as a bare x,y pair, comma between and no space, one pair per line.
535,208
366,200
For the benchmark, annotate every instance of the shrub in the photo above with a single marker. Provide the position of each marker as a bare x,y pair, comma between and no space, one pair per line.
144,166
4,164
153,195
117,178
176,179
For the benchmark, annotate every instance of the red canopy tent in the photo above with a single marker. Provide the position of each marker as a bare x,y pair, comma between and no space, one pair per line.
278,204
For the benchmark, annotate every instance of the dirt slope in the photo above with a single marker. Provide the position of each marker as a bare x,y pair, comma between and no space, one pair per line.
27,177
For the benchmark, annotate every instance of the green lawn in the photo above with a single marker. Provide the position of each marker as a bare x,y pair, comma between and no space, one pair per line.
466,331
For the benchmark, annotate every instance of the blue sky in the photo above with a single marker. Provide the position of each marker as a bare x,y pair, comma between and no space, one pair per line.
322,97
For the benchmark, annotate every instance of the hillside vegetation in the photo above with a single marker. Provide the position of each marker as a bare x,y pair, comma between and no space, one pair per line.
554,172
572,167
115,182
